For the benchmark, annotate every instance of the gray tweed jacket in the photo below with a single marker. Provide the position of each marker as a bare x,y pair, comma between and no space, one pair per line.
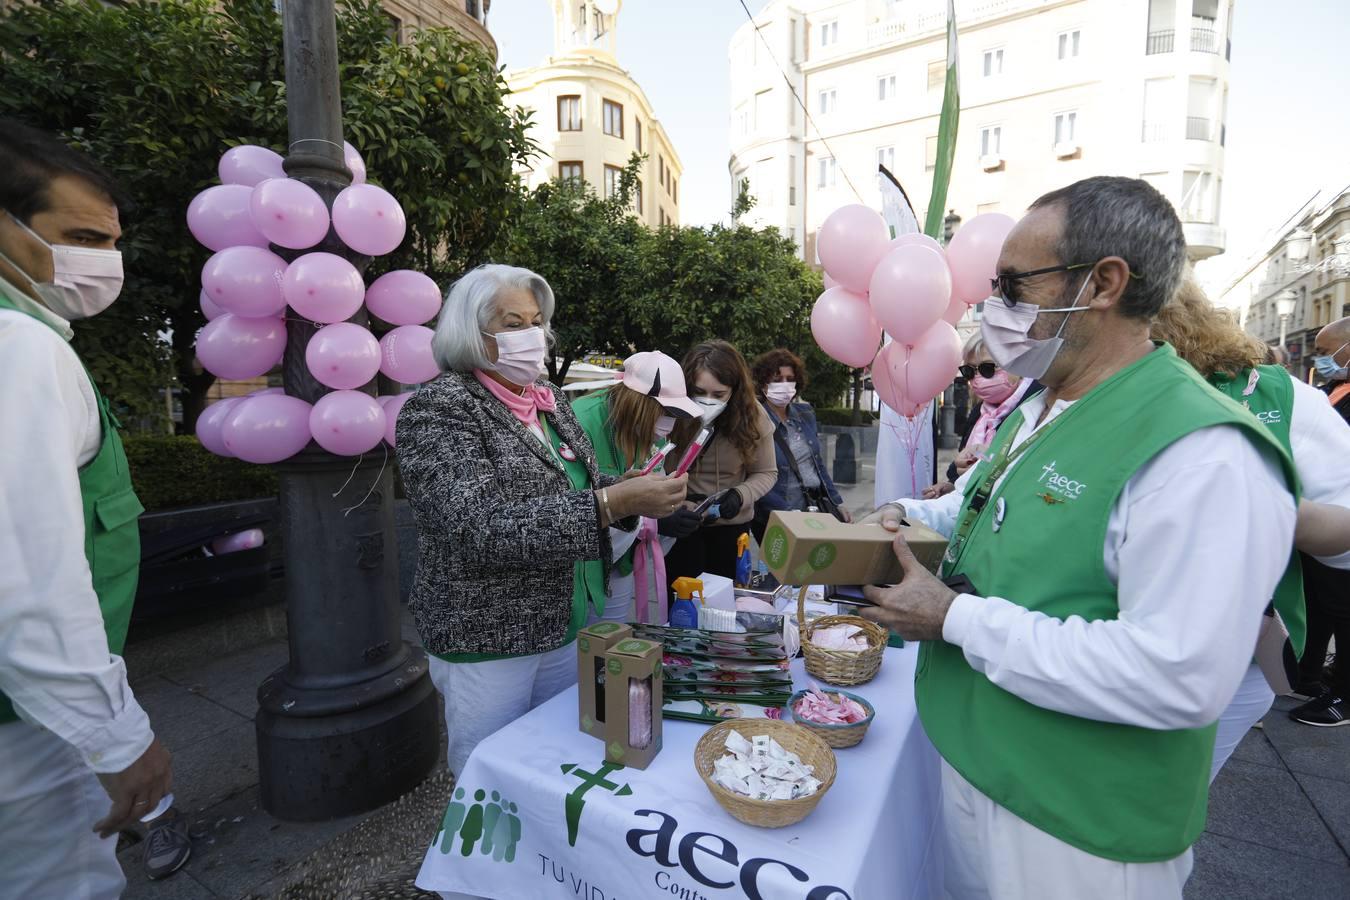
498,524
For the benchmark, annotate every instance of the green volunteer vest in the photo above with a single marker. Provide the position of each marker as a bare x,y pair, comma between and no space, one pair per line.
112,539
592,412
1115,791
588,576
1268,393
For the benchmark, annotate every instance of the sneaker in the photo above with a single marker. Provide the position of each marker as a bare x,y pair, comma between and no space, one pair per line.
167,845
1326,711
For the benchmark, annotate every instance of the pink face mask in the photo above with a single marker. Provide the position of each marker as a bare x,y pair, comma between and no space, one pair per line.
992,390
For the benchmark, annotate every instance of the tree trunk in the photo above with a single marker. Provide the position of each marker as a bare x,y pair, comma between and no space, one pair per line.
193,383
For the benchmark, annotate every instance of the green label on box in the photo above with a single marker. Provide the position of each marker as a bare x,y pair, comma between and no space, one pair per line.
775,546
584,644
816,524
821,557
632,646
615,666
605,628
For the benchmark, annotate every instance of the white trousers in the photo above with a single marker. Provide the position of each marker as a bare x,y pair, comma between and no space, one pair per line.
991,854
619,603
1253,700
49,802
482,697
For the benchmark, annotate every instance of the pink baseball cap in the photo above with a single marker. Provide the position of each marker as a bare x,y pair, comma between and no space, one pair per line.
656,375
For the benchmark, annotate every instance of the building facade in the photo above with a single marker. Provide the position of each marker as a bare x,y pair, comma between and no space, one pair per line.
468,17
1304,271
590,116
1051,91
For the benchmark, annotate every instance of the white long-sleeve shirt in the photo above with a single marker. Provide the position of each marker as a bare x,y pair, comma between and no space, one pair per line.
55,664
1320,441
1196,543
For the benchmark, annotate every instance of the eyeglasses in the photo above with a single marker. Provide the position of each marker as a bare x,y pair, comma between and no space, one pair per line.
986,370
1005,284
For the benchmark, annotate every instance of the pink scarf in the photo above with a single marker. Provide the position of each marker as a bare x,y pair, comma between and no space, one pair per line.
525,406
649,546
990,418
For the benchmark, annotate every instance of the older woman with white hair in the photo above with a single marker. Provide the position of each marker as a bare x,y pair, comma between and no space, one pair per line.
512,513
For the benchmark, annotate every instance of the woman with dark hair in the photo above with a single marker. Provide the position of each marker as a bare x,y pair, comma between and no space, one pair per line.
735,469
803,480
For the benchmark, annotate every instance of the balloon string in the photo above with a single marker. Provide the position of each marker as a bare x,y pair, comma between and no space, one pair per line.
384,462
349,477
293,144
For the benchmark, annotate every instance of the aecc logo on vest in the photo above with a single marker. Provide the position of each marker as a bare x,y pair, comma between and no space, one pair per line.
1063,485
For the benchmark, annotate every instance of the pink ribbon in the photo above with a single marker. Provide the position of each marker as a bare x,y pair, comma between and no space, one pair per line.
649,545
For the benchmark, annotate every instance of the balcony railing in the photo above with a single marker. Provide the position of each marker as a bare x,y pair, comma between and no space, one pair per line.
1161,42
1204,40
1154,132
1199,129
931,16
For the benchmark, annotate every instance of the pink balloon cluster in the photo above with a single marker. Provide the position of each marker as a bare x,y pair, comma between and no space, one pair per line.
910,288
246,289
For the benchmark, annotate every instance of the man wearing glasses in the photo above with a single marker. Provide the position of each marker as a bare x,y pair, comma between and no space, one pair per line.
1112,558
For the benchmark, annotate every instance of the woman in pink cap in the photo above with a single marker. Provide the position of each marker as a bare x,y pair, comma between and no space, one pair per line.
628,424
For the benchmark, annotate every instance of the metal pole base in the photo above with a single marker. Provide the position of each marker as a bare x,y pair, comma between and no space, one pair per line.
318,767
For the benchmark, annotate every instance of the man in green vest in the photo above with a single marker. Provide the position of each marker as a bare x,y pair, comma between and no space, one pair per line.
72,735
1111,557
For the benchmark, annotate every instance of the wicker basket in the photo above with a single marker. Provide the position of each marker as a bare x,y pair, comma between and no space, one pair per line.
845,667
837,736
766,813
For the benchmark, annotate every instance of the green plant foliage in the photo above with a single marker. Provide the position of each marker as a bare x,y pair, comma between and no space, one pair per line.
843,415
158,91
169,471
623,287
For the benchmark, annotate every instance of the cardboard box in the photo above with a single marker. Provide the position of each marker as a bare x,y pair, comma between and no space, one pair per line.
592,643
816,548
628,662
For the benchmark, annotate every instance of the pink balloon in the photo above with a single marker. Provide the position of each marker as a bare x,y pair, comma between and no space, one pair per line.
407,356
208,307
843,326
973,253
404,297
911,288
323,287
924,370
851,241
235,348
343,356
915,238
829,282
219,217
212,420
956,311
245,281
241,540
369,219
289,213
392,404
268,428
347,423
249,164
353,161
887,383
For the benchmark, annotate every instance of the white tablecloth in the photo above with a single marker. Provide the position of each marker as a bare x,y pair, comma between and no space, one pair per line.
658,833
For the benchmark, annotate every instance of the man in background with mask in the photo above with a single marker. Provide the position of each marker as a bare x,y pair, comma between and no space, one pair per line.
1326,590
72,735
1111,557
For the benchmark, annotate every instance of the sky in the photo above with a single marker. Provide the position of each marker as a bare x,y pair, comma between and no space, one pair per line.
1288,122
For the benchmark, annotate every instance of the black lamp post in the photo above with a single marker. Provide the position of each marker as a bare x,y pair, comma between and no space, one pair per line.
950,223
349,723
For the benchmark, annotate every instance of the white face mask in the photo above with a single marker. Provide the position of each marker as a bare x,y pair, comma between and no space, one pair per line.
520,354
84,282
664,426
780,393
1005,331
711,408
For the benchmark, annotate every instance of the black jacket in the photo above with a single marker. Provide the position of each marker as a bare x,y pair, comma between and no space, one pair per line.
498,524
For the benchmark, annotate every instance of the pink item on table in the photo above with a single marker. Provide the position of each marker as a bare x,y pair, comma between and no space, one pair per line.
639,713
828,709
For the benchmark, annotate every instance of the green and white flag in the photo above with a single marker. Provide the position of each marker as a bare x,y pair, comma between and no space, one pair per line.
946,148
